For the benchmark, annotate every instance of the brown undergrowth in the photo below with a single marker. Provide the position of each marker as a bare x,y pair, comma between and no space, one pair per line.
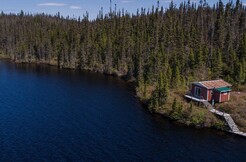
237,108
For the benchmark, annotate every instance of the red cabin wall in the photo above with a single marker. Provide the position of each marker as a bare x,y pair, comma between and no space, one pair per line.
224,97
221,97
216,96
210,95
193,89
203,91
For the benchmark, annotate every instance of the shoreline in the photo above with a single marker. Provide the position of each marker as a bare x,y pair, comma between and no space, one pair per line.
133,84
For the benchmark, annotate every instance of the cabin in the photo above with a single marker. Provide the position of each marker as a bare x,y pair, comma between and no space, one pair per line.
217,90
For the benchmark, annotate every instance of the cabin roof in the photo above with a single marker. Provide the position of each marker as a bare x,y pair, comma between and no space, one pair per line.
223,89
213,84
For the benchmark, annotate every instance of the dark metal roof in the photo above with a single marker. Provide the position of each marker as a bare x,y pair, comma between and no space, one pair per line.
223,89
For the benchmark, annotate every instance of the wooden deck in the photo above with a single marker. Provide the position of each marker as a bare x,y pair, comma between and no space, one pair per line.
227,117
193,98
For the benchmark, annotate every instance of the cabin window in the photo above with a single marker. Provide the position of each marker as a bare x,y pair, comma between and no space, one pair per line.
198,91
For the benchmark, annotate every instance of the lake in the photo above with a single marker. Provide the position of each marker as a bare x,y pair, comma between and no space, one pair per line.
48,114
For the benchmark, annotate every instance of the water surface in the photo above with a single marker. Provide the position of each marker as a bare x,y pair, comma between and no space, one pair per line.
47,114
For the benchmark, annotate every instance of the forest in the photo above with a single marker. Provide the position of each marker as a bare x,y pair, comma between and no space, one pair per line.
160,49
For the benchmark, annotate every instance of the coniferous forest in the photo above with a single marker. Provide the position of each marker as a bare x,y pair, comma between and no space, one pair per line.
158,48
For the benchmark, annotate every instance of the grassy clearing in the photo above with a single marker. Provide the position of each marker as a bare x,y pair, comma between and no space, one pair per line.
189,113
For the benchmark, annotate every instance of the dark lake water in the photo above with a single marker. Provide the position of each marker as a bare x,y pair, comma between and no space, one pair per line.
47,114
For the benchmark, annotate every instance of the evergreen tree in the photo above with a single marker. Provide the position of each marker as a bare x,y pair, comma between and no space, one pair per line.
176,77
162,89
176,113
217,65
